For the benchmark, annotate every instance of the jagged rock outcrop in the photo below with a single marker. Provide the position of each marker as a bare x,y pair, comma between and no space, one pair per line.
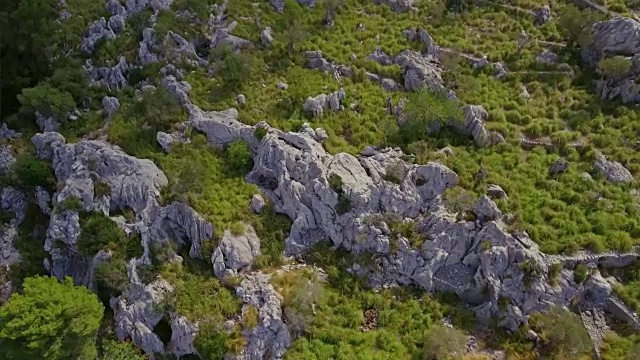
43,199
420,71
270,338
547,57
183,335
135,311
145,53
6,133
111,106
611,170
114,77
474,119
221,127
15,202
235,252
317,105
115,8
381,57
97,31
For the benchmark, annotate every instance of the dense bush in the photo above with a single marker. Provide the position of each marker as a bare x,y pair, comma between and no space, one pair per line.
99,232
233,68
28,172
562,334
614,66
47,100
114,350
426,112
51,321
443,342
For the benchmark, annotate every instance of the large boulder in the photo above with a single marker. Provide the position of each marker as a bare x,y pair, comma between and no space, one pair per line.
235,252
611,170
420,71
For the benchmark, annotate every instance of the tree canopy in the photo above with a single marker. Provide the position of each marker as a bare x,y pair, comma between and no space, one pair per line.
50,320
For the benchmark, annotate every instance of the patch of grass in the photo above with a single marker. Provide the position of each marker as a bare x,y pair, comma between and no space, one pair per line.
580,273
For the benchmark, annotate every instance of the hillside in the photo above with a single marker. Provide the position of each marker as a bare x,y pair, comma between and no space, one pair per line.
319,179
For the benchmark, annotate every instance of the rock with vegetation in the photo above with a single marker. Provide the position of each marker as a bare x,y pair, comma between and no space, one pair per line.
611,170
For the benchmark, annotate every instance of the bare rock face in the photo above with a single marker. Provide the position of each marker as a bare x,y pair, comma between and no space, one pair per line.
112,77
97,31
221,127
15,202
474,119
183,335
542,15
317,105
257,203
486,210
612,171
420,71
135,313
111,105
235,252
270,338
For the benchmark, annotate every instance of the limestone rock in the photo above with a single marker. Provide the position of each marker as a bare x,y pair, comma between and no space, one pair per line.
15,202
181,223
282,86
135,313
547,57
221,127
235,252
499,70
542,15
97,31
266,36
420,71
115,8
496,192
241,100
183,335
43,199
116,23
613,171
474,119
486,210
47,123
270,338
111,77
320,103
111,105
257,203
6,133
380,57
617,36
6,159
278,5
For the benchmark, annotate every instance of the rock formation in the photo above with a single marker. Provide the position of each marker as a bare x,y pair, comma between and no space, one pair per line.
315,106
235,252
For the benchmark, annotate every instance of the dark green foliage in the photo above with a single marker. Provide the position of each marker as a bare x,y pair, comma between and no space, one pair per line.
335,182
233,68
260,133
562,334
239,158
441,342
99,232
47,100
427,111
115,350
617,347
199,7
614,66
575,24
51,321
111,277
580,273
28,172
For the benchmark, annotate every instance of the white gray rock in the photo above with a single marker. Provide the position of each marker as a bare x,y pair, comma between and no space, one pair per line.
135,311
266,36
257,203
6,159
612,171
474,119
380,57
542,15
115,8
46,123
559,166
15,202
317,105
496,191
282,86
97,31
111,105
116,23
270,338
112,77
183,335
486,210
547,57
165,140
241,100
43,199
235,252
6,133
420,71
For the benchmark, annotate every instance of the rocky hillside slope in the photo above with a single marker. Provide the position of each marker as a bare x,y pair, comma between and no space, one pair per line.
334,179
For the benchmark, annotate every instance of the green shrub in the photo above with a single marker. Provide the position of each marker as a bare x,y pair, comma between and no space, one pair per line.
239,158
99,232
580,273
614,66
211,342
531,271
562,334
344,204
234,68
238,228
47,100
111,278
29,172
554,272
260,133
101,188
335,182
115,350
442,342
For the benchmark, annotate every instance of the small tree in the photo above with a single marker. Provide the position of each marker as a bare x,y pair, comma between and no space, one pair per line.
239,157
575,25
47,100
614,66
29,172
50,321
114,350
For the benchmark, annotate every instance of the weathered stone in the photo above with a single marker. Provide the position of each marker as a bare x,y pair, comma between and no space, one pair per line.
558,167
547,57
420,71
241,100
111,105
96,31
474,119
542,15
486,210
183,335
257,203
266,36
496,192
235,252
612,171
398,5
